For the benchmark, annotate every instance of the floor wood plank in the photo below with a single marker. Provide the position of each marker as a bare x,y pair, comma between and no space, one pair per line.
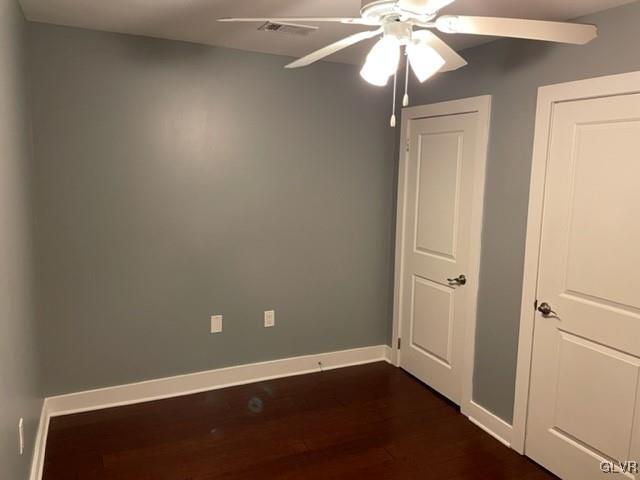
371,421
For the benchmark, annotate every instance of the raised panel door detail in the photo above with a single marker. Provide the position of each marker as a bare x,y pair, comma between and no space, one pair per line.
432,317
438,192
596,395
601,249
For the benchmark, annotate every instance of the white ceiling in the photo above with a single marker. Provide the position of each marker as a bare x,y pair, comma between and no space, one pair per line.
194,20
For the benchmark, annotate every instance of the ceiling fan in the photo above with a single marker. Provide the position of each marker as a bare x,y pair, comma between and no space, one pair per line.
408,23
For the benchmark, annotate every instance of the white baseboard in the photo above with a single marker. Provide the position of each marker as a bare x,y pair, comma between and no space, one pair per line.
388,354
490,423
37,461
209,380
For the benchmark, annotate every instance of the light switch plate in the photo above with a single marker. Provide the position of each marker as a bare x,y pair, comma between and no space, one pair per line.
269,318
216,324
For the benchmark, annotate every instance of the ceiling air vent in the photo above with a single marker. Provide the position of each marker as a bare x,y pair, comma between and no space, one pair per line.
289,28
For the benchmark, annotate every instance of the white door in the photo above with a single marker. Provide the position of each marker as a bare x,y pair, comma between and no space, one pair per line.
584,388
436,273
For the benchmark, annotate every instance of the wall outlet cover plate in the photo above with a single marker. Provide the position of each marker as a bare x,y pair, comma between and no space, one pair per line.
269,318
216,324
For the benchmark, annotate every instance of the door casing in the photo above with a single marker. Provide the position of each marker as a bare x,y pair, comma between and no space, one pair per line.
548,97
481,105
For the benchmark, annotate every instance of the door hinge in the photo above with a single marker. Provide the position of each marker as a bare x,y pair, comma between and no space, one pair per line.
399,342
407,145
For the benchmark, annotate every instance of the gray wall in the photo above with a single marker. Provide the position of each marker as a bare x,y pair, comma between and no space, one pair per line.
512,71
18,373
174,181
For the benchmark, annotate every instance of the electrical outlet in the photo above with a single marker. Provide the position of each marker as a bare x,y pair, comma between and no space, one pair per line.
21,435
269,318
216,324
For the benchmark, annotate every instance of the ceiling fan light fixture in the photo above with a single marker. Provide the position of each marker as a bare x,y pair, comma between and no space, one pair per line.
424,60
426,52
382,61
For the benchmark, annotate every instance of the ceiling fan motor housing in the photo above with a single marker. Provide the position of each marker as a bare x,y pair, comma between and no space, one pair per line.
380,10
402,31
366,3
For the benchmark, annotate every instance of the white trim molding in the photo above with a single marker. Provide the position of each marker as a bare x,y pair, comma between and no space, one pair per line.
210,380
37,461
548,97
388,354
489,422
481,105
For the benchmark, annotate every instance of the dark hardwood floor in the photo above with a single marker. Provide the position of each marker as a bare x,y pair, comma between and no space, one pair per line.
366,422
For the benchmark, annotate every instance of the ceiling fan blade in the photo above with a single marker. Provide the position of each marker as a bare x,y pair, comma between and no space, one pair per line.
353,21
518,28
333,48
450,56
423,6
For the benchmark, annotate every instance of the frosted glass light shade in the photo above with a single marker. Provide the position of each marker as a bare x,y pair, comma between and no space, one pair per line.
382,61
424,60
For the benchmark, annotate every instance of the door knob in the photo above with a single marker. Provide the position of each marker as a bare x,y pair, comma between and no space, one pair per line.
461,280
546,310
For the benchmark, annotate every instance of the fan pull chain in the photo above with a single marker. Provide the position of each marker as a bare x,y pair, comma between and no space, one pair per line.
393,115
405,99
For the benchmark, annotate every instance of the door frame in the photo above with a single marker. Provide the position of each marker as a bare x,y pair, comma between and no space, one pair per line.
482,106
548,97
